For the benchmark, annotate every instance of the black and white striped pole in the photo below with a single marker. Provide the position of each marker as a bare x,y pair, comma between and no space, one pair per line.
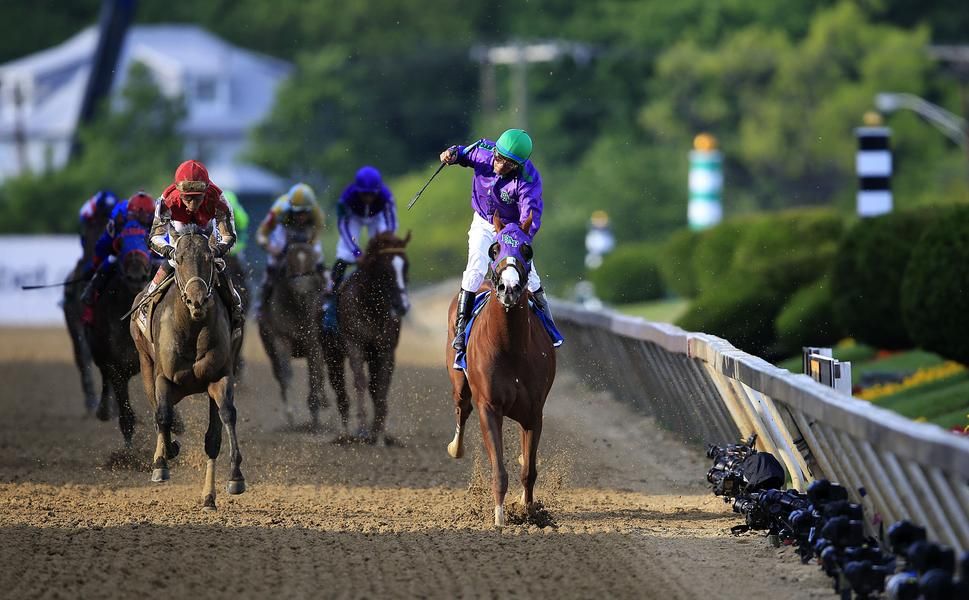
874,166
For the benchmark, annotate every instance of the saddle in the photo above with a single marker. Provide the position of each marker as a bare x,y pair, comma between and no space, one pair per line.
461,358
147,308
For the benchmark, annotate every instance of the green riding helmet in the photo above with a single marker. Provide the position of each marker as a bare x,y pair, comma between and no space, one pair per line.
515,145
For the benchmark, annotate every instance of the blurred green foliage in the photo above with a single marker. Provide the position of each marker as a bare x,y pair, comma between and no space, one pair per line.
807,320
630,274
781,85
934,303
867,277
136,146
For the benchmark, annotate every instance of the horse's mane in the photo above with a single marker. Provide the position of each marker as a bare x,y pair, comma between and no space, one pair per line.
383,243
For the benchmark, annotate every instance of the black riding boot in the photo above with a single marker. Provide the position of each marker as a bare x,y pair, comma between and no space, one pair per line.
461,318
539,297
97,284
336,274
233,302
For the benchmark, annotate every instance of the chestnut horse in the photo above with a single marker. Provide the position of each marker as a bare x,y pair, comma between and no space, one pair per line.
371,303
108,336
191,352
510,365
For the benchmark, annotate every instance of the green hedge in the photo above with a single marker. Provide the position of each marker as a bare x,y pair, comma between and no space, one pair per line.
934,302
676,263
770,258
807,320
867,277
739,313
629,274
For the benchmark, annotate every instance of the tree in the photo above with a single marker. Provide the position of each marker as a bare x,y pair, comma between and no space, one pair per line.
135,146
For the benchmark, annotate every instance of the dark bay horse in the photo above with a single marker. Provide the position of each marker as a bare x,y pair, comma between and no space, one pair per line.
510,365
110,340
190,352
371,303
290,324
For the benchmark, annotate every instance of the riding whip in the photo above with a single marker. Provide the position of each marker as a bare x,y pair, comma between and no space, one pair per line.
50,285
418,194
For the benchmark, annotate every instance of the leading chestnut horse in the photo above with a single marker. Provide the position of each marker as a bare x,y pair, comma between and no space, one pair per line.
510,365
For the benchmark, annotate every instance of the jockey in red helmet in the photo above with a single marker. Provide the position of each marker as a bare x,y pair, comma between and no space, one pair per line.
194,199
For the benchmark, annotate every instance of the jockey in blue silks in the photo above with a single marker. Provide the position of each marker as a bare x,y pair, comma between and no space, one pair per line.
92,218
139,210
505,182
366,202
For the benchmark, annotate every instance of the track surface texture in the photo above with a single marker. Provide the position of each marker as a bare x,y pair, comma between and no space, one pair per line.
79,518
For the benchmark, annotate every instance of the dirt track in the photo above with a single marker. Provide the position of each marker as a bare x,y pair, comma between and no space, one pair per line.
77,519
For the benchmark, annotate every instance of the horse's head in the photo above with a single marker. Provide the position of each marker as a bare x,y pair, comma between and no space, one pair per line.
386,257
299,265
511,260
194,270
134,261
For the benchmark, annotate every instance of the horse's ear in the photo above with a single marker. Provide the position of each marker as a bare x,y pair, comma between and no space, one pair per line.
407,237
496,221
527,223
493,251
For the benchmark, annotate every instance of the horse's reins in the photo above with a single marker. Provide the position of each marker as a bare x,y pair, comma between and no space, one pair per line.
194,278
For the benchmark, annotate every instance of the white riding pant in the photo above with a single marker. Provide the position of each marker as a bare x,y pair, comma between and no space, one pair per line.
481,235
350,231
277,243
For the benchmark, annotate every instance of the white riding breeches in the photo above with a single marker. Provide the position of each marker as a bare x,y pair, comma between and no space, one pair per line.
350,234
481,235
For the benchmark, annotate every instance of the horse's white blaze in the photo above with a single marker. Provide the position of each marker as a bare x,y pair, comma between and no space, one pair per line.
510,277
398,262
499,516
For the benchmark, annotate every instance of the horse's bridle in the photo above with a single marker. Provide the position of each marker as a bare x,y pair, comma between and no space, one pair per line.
208,284
508,261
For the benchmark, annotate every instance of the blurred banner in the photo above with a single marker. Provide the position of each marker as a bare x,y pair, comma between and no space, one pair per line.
34,260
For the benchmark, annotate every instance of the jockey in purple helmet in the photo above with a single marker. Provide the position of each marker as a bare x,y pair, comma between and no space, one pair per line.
506,182
364,203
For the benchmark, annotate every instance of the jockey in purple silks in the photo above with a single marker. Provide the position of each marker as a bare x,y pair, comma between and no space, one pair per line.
366,202
506,182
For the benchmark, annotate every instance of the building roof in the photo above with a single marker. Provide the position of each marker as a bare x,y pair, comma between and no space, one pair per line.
180,57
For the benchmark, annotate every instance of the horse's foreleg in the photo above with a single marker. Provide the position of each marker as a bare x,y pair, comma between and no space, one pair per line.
103,412
283,371
221,391
213,444
359,387
165,448
381,372
83,360
316,398
462,410
529,472
335,369
491,434
126,416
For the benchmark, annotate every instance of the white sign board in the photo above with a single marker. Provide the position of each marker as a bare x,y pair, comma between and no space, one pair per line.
34,260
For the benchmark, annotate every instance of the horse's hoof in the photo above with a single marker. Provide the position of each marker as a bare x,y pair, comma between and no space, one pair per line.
159,475
103,413
235,486
455,450
175,449
208,504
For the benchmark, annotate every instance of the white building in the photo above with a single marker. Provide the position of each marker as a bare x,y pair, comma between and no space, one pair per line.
227,91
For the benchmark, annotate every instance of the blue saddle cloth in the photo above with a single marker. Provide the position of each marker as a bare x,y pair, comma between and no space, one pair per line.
461,359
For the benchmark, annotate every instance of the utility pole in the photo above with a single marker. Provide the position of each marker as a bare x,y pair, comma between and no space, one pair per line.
519,56
113,24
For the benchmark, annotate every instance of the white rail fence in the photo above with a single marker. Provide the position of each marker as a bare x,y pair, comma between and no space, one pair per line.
708,391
